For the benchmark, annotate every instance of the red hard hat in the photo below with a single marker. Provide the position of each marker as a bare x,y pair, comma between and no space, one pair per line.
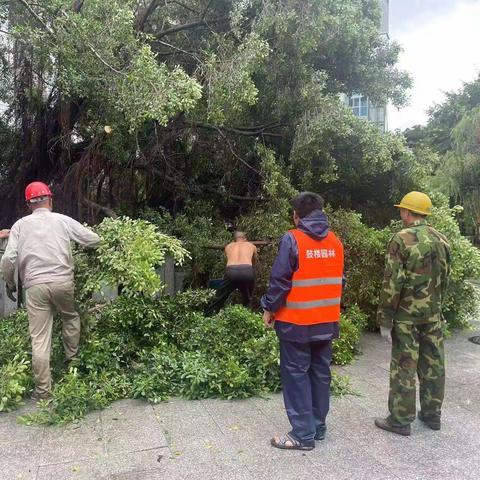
37,189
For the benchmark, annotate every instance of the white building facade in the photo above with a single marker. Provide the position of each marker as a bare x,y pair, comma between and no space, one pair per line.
360,105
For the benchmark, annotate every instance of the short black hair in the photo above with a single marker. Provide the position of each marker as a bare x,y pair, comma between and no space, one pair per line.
306,202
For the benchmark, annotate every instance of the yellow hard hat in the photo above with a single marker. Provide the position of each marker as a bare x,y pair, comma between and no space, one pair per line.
416,202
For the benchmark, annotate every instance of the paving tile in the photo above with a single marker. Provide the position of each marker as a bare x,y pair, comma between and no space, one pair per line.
245,422
12,431
126,465
198,462
75,441
229,440
18,461
131,426
75,470
188,430
155,474
153,460
180,406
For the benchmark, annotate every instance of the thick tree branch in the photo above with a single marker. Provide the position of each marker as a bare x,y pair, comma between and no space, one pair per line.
236,155
37,17
101,208
179,50
188,26
145,14
258,243
245,131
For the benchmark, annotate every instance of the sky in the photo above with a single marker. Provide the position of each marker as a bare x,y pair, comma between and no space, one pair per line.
441,43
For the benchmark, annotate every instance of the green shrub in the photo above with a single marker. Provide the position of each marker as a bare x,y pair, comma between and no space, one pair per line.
351,325
127,256
180,353
15,376
341,385
14,337
153,349
462,297
156,375
197,227
364,261
14,381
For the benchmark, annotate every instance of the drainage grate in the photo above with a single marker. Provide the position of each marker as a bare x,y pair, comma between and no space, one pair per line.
475,340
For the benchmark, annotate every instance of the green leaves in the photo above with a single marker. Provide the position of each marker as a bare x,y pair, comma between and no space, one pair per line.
151,91
352,323
97,55
228,78
14,379
462,299
129,252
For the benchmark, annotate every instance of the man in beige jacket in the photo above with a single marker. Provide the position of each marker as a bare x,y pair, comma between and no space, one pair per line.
39,245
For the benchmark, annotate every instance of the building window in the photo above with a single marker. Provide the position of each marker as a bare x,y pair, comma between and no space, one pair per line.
359,105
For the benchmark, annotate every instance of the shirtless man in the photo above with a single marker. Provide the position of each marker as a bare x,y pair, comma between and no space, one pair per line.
241,256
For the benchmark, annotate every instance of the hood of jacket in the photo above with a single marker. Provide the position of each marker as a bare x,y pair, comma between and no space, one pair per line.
315,224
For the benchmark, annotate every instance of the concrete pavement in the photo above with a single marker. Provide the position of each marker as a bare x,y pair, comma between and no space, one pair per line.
229,440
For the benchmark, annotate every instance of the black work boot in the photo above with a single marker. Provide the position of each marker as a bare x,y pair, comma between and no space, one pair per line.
385,424
320,435
431,422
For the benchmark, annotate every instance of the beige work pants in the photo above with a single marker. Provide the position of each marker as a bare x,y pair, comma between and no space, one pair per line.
42,301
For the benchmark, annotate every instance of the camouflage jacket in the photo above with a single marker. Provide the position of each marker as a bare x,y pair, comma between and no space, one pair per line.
416,276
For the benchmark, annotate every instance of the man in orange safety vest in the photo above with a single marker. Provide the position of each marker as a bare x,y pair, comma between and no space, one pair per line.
303,304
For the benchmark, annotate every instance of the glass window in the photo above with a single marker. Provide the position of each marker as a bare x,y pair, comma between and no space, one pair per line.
359,105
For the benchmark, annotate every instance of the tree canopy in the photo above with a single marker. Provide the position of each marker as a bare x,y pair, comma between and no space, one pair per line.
453,135
198,96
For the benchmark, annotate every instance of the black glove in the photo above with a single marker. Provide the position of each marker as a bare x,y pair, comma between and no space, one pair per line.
10,292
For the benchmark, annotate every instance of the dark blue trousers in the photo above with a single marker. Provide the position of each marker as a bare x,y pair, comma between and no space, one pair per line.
305,372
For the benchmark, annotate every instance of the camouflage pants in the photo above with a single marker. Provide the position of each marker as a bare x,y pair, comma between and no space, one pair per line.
416,350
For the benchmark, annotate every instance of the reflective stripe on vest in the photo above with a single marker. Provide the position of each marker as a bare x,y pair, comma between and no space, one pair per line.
317,284
313,303
317,281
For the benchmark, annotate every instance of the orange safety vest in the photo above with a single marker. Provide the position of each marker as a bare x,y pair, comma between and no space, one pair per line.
317,284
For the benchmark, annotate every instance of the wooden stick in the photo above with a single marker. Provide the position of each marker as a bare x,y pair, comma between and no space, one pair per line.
258,243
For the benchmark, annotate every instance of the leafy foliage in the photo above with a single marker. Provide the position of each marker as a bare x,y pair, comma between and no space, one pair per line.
198,227
128,254
195,94
352,323
364,260
165,348
93,53
228,78
462,298
14,377
142,347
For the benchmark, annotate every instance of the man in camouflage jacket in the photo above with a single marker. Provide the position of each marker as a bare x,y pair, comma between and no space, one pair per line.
410,312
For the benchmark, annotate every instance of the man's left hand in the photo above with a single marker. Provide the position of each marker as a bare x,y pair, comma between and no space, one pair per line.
4,234
268,319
